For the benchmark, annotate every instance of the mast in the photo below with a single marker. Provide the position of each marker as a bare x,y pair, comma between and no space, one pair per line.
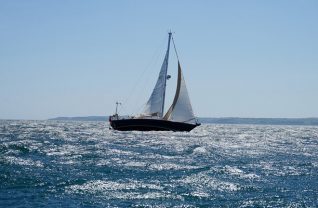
165,82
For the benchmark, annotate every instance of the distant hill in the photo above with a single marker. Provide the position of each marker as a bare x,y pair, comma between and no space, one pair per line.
81,118
261,121
225,120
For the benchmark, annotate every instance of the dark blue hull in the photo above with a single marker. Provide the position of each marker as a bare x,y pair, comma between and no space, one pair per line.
150,125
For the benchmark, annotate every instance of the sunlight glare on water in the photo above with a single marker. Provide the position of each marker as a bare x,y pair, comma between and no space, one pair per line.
71,164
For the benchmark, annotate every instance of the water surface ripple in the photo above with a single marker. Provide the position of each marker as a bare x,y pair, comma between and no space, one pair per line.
84,164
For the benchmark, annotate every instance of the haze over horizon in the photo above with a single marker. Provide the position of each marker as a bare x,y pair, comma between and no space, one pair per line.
254,59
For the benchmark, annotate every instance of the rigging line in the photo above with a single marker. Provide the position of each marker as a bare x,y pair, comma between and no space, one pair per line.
153,59
175,49
139,107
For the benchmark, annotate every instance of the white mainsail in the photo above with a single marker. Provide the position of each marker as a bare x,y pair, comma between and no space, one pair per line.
181,109
155,104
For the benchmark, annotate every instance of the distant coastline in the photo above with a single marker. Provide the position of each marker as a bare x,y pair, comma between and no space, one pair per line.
81,118
222,120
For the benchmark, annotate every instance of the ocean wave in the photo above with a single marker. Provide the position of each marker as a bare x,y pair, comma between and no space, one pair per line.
204,181
86,164
25,162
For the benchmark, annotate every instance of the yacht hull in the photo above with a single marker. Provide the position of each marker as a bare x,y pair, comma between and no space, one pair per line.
150,125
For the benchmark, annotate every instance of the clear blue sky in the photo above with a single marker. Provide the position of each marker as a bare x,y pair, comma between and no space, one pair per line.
76,58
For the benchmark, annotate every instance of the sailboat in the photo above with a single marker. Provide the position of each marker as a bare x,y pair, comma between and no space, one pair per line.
179,117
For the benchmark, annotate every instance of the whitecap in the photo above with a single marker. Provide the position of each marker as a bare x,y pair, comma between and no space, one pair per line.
235,171
202,181
200,194
200,150
171,166
24,162
104,187
135,164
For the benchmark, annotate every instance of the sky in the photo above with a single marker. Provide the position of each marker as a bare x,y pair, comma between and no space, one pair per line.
77,58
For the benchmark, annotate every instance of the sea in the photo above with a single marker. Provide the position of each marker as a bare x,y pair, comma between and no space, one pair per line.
86,164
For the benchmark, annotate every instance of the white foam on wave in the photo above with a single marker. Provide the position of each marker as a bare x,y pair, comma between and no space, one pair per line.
200,150
148,195
122,190
101,185
271,168
103,162
171,166
24,162
119,152
135,164
67,150
235,171
291,171
202,181
200,194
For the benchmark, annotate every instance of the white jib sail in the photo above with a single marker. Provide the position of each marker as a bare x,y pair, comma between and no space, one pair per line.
181,109
155,104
